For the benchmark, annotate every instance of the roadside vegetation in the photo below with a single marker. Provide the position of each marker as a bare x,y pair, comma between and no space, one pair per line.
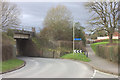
10,64
76,56
10,21
107,50
7,47
58,25
56,36
93,46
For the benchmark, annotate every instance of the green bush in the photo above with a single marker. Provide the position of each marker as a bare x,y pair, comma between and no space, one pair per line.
36,41
107,40
93,46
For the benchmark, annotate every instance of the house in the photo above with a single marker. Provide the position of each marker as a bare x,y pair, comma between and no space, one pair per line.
115,36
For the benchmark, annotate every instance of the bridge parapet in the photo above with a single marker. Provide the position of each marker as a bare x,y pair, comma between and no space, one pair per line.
23,34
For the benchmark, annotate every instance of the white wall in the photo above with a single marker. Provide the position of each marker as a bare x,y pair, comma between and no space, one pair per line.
106,37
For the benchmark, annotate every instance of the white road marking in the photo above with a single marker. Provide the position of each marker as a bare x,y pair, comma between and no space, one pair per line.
0,77
94,74
107,74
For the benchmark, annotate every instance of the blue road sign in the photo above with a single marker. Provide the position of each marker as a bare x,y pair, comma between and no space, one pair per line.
77,39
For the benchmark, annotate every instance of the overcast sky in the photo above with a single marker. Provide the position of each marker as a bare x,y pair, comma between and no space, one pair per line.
33,13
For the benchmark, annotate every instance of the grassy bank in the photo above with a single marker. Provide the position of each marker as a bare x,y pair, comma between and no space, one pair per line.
10,64
76,56
93,46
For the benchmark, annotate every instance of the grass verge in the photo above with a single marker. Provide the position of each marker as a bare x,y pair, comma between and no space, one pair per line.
76,56
10,64
93,46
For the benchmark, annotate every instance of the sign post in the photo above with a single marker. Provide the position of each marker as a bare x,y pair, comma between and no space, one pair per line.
73,36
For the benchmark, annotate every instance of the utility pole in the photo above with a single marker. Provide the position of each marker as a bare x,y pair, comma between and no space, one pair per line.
73,37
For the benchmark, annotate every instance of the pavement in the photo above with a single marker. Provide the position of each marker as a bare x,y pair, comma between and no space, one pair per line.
55,68
100,63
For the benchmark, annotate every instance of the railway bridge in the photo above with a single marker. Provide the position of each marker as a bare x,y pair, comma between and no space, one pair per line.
24,42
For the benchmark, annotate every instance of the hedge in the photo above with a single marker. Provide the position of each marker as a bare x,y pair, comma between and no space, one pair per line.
108,52
106,40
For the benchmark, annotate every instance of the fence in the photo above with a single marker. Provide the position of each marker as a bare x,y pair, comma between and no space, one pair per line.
108,52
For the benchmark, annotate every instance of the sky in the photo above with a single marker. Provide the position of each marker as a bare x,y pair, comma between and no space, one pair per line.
33,13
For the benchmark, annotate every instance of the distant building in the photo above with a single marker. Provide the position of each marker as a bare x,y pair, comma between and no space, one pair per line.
115,36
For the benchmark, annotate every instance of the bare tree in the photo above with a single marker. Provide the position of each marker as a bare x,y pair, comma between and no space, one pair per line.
10,15
119,16
105,16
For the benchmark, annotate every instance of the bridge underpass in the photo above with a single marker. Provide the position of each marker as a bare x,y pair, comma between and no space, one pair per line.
24,44
21,45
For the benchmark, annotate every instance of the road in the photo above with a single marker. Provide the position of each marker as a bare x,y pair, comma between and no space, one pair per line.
55,68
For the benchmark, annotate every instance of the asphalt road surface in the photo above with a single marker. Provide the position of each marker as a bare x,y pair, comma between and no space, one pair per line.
55,68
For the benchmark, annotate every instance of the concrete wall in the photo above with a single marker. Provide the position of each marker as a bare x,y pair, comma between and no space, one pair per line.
51,54
26,47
